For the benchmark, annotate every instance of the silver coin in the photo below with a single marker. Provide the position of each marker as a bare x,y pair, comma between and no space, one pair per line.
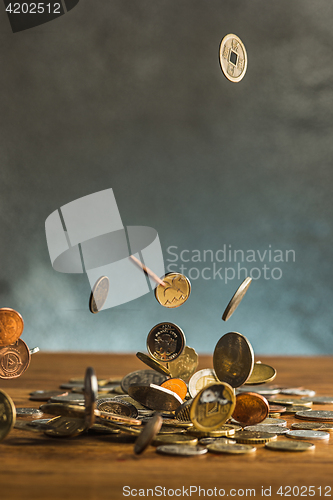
40,421
181,450
233,58
210,440
28,411
45,395
90,396
71,385
34,350
271,429
313,426
291,410
142,377
70,399
320,415
319,400
274,421
200,379
232,449
290,391
301,434
263,391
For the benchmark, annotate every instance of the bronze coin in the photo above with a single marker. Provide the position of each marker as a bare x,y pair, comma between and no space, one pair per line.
276,409
11,326
176,385
14,360
165,342
250,409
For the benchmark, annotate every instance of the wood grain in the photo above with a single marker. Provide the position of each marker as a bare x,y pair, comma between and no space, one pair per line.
97,467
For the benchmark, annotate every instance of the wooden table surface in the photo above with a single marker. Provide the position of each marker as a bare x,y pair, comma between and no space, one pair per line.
33,466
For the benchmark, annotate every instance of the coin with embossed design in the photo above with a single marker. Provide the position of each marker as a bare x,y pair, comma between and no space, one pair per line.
65,427
11,326
143,377
236,299
14,359
185,365
201,379
233,359
233,58
176,291
7,414
212,406
165,342
118,407
99,294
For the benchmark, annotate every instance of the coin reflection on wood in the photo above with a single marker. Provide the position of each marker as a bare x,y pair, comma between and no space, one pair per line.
212,406
99,294
175,292
236,299
165,342
251,408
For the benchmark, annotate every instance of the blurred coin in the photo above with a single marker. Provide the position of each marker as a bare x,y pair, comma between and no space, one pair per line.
142,377
176,385
23,425
14,359
99,294
248,437
291,410
201,379
171,430
118,407
288,401
318,400
185,365
250,409
312,426
261,374
233,449
39,421
212,406
276,409
23,412
45,395
303,434
155,397
69,398
34,350
174,422
128,399
210,440
271,429
297,391
274,421
233,359
165,342
148,433
183,439
152,363
180,450
225,430
176,291
236,299
63,409
324,416
102,429
183,411
7,414
289,446
119,419
269,390
11,326
65,427
90,396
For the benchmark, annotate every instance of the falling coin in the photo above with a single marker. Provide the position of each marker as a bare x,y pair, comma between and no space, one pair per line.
14,360
233,58
201,379
165,342
236,299
147,434
176,291
152,363
233,359
11,326
99,294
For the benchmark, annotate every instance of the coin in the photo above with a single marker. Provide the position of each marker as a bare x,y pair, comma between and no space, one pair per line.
102,429
99,294
264,391
248,437
318,400
233,58
152,363
155,397
209,440
176,291
212,406
271,429
70,398
234,449
14,359
148,433
34,350
182,439
222,431
142,377
312,426
165,342
236,299
118,407
289,401
65,427
185,365
180,450
289,446
276,409
11,326
176,385
304,434
274,421
45,395
24,425
90,396
298,391
201,379
323,416
7,414
233,359
171,430
28,412
174,422
250,409
182,413
291,410
261,374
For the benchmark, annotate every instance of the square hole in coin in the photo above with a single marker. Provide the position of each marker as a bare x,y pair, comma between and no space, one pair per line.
233,57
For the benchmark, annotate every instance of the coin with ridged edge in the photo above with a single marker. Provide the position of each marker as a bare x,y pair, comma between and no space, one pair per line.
180,450
165,342
11,326
225,430
99,294
248,437
236,299
176,291
182,413
7,414
232,449
212,406
289,446
152,363
233,359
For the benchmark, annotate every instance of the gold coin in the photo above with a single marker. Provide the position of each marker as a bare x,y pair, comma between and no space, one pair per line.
174,439
258,437
155,397
183,411
233,359
224,430
165,342
236,299
14,360
201,379
99,294
148,433
185,365
65,427
7,415
233,449
261,374
233,58
152,363
176,291
289,446
174,422
212,406
11,326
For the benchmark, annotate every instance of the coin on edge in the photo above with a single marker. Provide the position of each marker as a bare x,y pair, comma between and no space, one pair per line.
14,359
7,414
152,363
147,434
99,294
90,396
180,450
289,446
212,406
11,326
185,365
165,342
233,359
233,58
176,291
236,299
251,408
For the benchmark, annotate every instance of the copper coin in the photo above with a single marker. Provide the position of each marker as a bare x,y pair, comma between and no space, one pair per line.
14,360
165,342
276,409
250,409
11,326
176,385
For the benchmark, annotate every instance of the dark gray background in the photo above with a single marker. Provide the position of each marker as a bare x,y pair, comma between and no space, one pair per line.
130,95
